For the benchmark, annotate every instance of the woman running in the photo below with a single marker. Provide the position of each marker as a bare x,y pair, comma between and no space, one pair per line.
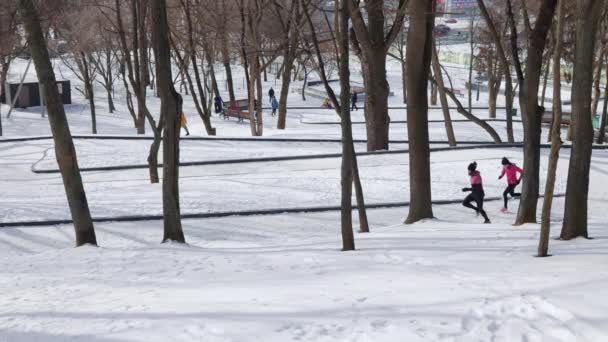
477,193
511,170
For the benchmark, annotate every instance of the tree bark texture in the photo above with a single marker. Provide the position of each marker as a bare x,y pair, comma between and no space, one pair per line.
449,128
374,44
532,112
543,243
602,126
64,146
419,55
577,189
171,104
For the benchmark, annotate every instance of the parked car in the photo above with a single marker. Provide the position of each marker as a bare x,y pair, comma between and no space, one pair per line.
451,21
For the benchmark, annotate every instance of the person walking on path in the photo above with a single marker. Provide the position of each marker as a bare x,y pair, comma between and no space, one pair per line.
184,123
353,101
270,95
219,104
275,105
511,170
477,194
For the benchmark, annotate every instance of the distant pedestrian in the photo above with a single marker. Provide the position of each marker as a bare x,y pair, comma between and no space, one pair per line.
326,103
511,170
219,104
270,94
353,101
184,123
477,194
275,105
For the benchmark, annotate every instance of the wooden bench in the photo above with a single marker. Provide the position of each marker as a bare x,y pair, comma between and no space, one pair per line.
238,109
548,117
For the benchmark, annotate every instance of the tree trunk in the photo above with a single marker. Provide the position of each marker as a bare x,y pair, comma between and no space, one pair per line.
64,146
577,189
88,83
596,83
363,223
404,80
3,74
216,89
289,57
543,244
532,112
472,51
129,98
602,125
419,55
110,82
492,88
444,100
171,104
348,152
545,79
505,67
433,94
376,100
206,117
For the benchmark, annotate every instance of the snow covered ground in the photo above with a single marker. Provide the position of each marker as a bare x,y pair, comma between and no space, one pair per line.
282,277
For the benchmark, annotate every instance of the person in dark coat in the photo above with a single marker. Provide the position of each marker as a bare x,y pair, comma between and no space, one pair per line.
270,95
477,194
219,104
275,104
353,101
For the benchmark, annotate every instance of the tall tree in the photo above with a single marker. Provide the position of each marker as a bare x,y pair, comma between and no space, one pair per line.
577,189
171,108
288,16
505,66
528,102
374,45
65,151
419,55
543,244
349,168
443,98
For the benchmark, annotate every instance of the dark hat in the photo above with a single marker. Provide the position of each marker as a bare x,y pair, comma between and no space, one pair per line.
505,161
472,167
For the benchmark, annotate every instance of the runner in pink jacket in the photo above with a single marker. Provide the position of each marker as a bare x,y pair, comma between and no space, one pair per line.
512,171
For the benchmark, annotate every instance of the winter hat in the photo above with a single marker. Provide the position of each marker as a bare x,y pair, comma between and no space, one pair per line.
505,161
472,167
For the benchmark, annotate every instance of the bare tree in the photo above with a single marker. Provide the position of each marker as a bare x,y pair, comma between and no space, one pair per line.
290,19
419,56
374,44
64,146
444,100
577,190
543,244
171,108
9,43
528,99
505,68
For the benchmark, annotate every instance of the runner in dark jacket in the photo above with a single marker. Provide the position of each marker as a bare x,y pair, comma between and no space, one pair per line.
477,194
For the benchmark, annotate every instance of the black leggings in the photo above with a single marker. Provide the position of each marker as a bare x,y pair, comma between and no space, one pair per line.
510,190
478,198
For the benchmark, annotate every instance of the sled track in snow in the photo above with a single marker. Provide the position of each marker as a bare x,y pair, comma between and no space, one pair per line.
219,214
290,158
